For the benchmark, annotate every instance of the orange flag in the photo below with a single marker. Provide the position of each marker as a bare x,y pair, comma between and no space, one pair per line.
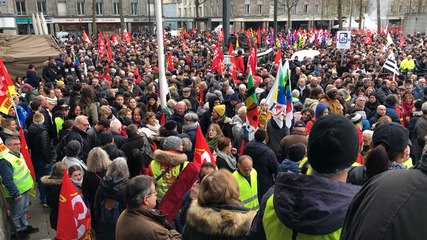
73,215
26,153
202,153
7,89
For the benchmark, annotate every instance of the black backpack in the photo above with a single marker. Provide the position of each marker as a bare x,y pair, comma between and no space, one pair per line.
139,159
109,212
60,147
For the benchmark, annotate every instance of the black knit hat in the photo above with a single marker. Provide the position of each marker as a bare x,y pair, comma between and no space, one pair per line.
333,144
105,138
392,135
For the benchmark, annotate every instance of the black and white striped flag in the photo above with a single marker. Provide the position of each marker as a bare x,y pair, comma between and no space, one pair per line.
391,64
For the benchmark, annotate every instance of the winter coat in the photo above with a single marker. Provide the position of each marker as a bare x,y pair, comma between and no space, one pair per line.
392,113
419,137
264,162
191,131
39,143
286,142
312,205
113,151
224,222
52,189
311,103
50,72
32,79
390,206
119,139
82,138
275,135
113,188
89,187
334,105
147,224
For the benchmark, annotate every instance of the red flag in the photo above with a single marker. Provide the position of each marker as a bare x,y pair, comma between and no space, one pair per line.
86,38
218,60
401,41
7,89
252,61
26,153
233,64
368,38
278,57
163,119
73,215
242,147
115,39
171,67
136,76
258,33
101,46
109,53
126,36
202,153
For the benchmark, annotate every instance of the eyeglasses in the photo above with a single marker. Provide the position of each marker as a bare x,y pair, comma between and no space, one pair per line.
154,192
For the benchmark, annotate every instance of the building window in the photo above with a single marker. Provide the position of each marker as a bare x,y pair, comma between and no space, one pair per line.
400,8
99,8
305,8
317,9
133,8
180,12
217,9
185,12
20,8
62,9
116,8
294,10
259,9
247,9
41,6
201,12
80,8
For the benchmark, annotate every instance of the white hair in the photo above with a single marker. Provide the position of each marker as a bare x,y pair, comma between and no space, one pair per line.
115,125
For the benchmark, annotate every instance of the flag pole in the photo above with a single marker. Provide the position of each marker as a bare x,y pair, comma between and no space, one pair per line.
160,53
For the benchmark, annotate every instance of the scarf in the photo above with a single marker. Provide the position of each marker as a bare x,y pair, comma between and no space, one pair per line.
229,159
213,142
187,128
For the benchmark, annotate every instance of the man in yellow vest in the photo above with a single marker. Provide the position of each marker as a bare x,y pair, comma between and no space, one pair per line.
312,207
16,181
246,177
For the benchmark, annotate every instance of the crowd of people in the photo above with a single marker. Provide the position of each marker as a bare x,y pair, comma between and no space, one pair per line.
354,124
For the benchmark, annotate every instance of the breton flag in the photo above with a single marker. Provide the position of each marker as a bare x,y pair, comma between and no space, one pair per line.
73,215
389,42
202,153
391,64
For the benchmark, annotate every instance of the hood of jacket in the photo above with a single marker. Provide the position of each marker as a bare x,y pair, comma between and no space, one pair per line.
255,149
312,205
113,186
173,158
189,128
220,221
51,181
36,129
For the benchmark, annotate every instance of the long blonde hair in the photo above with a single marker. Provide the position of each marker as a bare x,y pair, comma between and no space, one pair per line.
218,188
98,160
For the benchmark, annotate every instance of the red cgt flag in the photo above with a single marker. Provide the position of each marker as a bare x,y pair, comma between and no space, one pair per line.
202,153
7,89
368,38
73,215
101,46
109,53
26,153
171,67
401,41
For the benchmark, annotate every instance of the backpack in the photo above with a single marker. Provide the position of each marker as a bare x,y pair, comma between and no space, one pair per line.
109,212
139,159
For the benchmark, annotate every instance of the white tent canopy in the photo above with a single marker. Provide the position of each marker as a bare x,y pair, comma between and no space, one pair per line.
346,23
368,24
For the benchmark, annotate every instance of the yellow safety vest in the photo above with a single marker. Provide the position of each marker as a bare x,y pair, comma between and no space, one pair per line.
163,184
275,229
21,175
248,192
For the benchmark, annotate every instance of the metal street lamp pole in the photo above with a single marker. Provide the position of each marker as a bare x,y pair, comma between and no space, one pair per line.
275,20
225,23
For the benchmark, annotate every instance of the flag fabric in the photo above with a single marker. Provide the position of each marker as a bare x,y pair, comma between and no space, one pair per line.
202,153
279,99
171,67
115,39
73,215
163,119
218,60
401,41
252,109
389,42
278,57
288,94
86,38
136,76
126,36
76,60
232,68
109,53
252,60
368,38
26,153
391,64
101,46
7,89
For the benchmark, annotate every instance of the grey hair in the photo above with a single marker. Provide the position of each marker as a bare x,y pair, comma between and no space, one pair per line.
187,145
79,119
9,139
115,125
243,158
191,116
137,188
242,109
118,168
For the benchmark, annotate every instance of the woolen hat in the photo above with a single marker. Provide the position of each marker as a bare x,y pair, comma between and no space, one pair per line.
172,143
220,109
333,144
170,125
105,138
392,135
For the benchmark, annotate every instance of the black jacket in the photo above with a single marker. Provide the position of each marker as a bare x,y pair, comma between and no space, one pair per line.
50,72
53,189
39,143
265,163
390,206
113,188
89,187
81,137
113,151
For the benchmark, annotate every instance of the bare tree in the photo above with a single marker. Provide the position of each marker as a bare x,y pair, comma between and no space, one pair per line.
287,5
360,13
122,17
339,10
94,30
